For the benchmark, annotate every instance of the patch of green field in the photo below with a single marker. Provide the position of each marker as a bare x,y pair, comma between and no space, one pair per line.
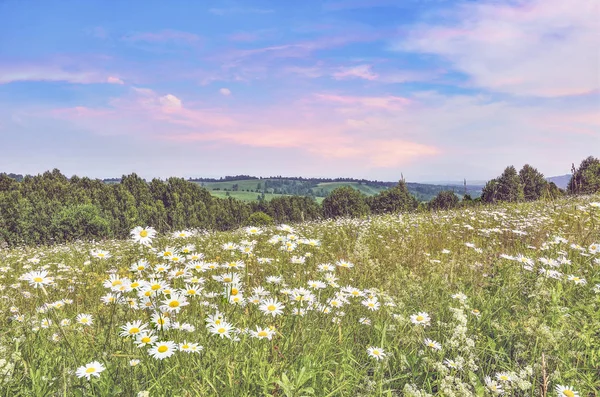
244,196
366,189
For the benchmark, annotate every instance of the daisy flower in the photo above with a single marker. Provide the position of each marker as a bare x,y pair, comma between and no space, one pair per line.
37,279
134,362
223,329
376,352
174,303
143,235
421,318
272,307
432,344
100,254
92,369
262,333
566,391
162,350
84,319
132,328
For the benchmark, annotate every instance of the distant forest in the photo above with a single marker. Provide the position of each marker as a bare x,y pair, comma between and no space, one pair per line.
51,208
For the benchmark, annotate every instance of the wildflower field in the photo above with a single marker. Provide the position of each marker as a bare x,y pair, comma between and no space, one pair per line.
498,300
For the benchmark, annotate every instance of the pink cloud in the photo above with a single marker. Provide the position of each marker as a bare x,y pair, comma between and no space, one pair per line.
163,36
360,71
387,102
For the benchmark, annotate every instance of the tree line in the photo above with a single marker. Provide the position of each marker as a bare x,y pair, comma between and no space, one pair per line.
51,208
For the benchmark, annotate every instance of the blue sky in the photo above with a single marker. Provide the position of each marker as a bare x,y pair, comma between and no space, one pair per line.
433,89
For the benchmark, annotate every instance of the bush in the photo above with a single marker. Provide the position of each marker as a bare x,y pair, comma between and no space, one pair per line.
445,200
259,219
345,201
79,222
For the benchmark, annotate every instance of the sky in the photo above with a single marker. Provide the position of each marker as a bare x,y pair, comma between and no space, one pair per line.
434,90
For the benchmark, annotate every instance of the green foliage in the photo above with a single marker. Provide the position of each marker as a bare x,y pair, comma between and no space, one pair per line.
444,201
259,219
345,201
507,187
533,183
79,222
396,199
586,178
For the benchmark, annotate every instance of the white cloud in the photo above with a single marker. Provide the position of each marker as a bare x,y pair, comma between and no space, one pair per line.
545,48
170,101
114,80
225,91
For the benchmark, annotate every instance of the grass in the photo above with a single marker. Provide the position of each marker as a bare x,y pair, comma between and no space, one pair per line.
244,196
366,189
485,277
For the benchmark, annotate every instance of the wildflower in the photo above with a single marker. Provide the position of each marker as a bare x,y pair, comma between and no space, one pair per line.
92,369
364,321
376,352
371,304
594,248
504,377
100,254
189,347
577,280
174,303
162,350
37,279
272,307
182,234
421,318
262,333
134,362
145,338
343,263
223,329
143,235
85,319
433,344
452,364
566,391
493,386
133,328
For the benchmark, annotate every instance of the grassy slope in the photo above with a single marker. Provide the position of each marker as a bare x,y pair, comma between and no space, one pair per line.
532,326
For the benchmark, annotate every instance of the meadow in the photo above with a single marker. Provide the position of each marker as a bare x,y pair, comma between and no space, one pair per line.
482,301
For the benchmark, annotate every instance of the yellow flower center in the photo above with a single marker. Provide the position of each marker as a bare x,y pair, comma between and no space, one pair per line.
179,272
191,292
376,352
174,304
141,267
90,370
568,393
162,349
420,318
262,333
271,308
134,330
185,346
167,253
135,284
145,339
101,255
221,330
38,279
160,321
144,233
155,287
234,291
227,279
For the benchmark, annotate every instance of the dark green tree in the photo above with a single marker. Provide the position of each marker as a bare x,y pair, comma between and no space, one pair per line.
395,199
533,183
507,187
586,178
444,200
345,201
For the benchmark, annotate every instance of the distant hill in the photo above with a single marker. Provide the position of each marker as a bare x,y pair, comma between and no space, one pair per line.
562,181
250,188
